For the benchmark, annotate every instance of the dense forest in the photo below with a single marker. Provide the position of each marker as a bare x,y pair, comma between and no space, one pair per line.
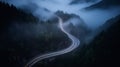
31,37
103,51
23,36
10,14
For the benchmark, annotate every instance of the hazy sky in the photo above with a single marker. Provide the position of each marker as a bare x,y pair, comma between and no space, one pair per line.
93,18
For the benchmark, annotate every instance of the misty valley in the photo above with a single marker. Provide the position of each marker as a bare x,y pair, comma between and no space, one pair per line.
59,33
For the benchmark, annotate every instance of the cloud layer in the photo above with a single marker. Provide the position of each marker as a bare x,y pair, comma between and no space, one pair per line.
93,18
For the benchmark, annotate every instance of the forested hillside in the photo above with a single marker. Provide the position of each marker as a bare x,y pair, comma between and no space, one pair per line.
10,14
103,51
23,36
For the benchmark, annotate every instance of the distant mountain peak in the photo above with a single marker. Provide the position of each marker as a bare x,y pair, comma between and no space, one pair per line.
81,1
66,16
104,4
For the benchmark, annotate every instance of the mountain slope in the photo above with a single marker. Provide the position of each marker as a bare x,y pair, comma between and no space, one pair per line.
105,47
104,4
103,51
9,14
81,1
23,37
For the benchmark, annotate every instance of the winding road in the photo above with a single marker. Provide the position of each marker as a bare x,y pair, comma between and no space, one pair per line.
75,43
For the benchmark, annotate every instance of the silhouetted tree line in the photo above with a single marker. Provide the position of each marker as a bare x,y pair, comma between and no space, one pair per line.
9,13
65,16
16,51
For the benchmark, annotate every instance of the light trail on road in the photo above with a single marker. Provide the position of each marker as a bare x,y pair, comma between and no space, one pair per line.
75,43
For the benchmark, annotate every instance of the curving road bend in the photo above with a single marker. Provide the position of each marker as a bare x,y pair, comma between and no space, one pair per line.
75,43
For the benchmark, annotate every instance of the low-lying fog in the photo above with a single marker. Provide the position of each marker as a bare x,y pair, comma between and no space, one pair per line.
93,18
